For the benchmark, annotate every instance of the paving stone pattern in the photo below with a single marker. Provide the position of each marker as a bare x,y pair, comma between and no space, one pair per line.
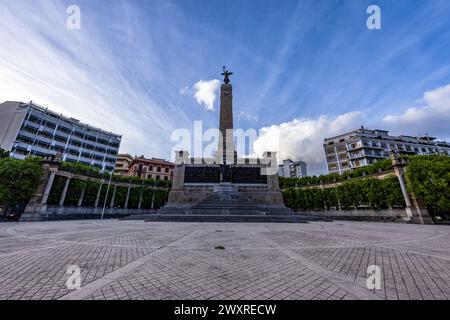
157,260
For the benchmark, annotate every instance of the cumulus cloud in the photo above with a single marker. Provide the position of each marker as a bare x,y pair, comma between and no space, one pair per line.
206,93
432,117
302,138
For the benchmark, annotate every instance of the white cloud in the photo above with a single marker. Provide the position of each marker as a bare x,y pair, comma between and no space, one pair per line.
432,117
206,93
302,139
79,74
249,117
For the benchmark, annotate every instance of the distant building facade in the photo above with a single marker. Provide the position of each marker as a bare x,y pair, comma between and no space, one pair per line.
27,129
123,163
154,168
292,169
364,147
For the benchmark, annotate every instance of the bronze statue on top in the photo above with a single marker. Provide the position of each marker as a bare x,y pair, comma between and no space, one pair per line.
226,75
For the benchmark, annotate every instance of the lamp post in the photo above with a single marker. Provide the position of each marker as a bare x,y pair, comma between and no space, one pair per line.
106,197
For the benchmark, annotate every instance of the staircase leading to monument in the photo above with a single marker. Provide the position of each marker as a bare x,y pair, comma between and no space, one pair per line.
226,204
231,204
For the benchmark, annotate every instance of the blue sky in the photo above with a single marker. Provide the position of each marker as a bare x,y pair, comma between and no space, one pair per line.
307,69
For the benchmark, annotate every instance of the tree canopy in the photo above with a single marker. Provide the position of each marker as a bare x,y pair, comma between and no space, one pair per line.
19,179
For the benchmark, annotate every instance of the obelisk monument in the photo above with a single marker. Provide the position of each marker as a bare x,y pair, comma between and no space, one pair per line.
226,154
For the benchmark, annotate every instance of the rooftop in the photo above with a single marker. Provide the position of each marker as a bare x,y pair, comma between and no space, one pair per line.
71,120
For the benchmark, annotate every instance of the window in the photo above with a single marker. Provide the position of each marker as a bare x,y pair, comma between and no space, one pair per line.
330,159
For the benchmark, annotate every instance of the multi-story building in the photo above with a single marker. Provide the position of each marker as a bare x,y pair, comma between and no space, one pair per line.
27,129
123,163
154,168
292,169
363,147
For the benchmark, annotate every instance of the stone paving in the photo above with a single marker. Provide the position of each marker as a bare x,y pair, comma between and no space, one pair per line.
148,260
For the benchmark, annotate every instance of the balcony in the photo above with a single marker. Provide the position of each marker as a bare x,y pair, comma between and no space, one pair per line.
357,155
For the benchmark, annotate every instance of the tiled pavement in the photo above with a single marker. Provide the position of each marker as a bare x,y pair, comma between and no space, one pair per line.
139,260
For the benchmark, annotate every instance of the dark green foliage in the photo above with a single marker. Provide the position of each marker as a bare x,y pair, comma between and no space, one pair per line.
4,154
55,192
161,196
90,194
19,180
382,166
74,192
357,193
429,180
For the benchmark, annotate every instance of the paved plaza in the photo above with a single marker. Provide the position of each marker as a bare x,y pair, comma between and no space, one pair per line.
148,260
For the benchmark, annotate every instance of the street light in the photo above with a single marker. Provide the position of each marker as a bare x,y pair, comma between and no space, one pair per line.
106,197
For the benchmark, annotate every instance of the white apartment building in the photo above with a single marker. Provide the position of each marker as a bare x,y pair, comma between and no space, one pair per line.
292,169
364,147
27,129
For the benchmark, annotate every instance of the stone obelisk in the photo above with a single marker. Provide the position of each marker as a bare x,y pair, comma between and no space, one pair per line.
226,153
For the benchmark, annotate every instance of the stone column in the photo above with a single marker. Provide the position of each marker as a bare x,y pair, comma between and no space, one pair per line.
398,170
37,206
140,198
80,200
111,205
153,198
48,188
128,197
97,200
416,213
64,192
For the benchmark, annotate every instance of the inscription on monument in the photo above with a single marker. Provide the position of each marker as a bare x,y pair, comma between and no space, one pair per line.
202,174
247,175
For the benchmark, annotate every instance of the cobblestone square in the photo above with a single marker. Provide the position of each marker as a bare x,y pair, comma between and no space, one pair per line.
149,260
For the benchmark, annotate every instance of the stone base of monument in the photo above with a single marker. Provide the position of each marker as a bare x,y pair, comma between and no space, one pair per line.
225,203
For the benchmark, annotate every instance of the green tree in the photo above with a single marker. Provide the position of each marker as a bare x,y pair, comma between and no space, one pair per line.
19,180
429,180
3,153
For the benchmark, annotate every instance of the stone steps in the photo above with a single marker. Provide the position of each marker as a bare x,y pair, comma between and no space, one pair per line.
232,204
232,218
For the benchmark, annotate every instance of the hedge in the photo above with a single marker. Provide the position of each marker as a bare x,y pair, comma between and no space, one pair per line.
380,166
366,193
